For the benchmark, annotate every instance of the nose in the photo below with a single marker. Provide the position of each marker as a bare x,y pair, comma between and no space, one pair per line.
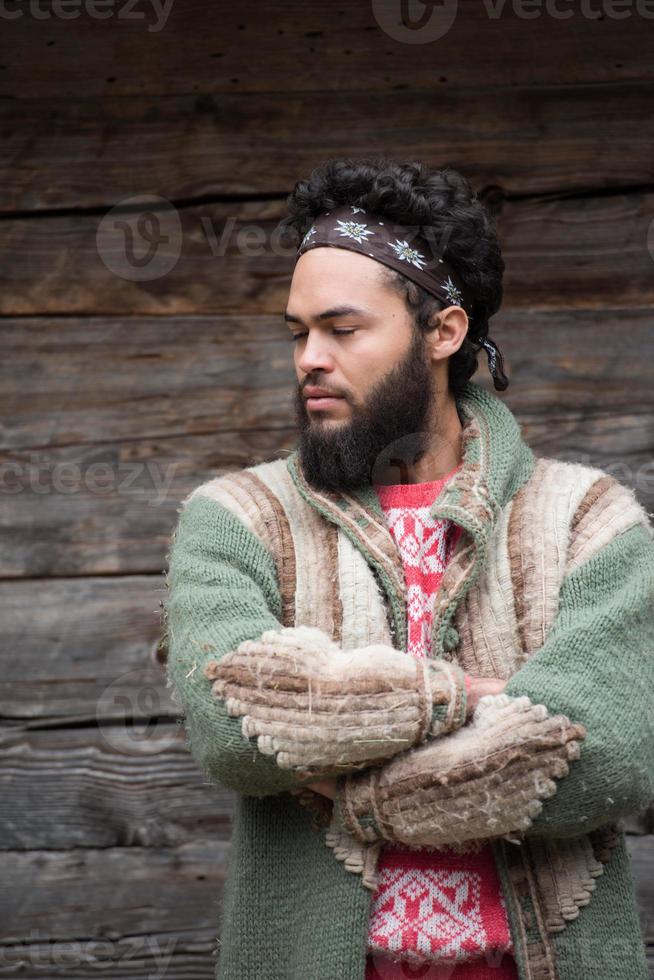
313,354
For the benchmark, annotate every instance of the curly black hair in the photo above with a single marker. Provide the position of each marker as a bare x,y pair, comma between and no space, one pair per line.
410,193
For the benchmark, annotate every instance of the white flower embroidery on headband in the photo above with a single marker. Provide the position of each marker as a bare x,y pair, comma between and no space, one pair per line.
352,229
311,231
451,291
404,251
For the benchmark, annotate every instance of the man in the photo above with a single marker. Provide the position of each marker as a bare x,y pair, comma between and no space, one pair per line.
420,655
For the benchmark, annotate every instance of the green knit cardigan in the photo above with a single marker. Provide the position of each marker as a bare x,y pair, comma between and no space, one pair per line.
292,911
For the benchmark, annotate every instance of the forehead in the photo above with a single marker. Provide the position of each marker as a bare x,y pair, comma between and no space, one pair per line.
327,275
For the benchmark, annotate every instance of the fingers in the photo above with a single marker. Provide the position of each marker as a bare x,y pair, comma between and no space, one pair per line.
497,803
271,720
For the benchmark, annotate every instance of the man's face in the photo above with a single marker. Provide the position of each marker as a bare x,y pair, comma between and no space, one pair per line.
380,370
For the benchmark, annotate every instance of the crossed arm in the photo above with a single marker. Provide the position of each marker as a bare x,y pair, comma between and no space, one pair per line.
476,688
266,711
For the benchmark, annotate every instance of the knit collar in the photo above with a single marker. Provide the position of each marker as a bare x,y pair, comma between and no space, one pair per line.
496,462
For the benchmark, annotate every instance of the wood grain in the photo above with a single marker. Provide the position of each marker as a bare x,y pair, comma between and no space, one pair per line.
294,47
185,148
560,252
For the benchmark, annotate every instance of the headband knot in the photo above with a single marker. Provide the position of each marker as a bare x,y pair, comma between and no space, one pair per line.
495,364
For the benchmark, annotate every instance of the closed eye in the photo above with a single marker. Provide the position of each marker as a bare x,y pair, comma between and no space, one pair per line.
296,336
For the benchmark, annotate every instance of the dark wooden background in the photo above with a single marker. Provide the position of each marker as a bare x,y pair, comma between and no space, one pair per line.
120,394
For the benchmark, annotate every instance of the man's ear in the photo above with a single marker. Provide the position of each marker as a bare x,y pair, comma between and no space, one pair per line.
448,330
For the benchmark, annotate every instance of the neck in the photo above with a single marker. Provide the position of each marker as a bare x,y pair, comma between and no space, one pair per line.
442,454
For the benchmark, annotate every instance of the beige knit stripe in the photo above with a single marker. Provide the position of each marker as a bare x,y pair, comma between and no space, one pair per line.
543,530
247,495
540,951
519,888
317,600
515,561
540,956
538,540
490,646
331,585
376,539
607,509
275,532
323,606
583,869
592,495
560,904
365,614
221,490
549,875
306,539
379,542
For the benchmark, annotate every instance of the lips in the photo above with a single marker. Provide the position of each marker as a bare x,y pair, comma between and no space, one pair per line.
322,402
313,393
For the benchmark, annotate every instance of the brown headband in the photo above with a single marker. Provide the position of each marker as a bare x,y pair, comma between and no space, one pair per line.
404,249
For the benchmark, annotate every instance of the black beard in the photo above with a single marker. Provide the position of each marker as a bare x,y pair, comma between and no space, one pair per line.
388,432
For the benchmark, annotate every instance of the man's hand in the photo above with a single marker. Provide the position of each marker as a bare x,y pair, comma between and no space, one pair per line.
487,779
480,686
326,787
477,688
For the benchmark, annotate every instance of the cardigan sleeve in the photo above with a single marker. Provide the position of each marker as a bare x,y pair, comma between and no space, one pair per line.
223,590
595,669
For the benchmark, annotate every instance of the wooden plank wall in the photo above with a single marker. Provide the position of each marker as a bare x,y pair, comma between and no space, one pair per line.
120,392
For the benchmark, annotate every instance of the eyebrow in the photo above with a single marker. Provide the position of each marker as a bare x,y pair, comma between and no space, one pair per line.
330,314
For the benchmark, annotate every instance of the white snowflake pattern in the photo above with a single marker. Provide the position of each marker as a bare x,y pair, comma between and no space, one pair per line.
451,291
404,251
355,209
352,229
311,231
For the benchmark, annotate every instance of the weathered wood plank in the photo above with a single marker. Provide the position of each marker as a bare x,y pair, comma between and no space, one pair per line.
83,652
565,253
131,784
129,910
95,153
292,46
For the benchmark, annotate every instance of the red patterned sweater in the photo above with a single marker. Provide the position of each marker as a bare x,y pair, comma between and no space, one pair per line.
433,910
